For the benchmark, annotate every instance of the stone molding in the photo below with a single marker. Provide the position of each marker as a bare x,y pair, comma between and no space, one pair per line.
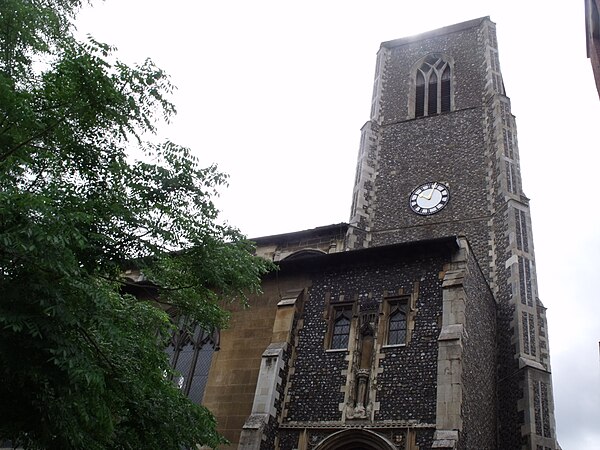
450,353
447,439
264,396
371,426
252,432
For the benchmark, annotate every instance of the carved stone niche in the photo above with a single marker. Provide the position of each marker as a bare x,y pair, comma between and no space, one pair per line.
360,401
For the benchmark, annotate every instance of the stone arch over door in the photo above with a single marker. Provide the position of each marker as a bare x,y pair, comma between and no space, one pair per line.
355,439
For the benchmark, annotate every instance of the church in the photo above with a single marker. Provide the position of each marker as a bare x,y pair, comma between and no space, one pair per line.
416,325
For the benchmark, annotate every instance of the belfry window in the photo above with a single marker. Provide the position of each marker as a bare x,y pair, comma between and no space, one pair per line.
190,353
432,87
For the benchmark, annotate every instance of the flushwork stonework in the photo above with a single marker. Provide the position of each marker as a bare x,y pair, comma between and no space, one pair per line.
418,324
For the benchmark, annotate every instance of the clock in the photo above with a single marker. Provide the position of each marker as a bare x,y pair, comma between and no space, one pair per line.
429,198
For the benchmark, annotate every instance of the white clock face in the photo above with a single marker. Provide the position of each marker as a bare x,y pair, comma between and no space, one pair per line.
429,198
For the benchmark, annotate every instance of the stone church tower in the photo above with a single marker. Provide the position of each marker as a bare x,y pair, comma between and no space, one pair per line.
439,157
417,325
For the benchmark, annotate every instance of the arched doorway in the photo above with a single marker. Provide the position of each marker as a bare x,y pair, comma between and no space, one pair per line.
355,439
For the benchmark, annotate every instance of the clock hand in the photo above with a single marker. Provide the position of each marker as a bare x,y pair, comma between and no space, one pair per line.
432,189
422,194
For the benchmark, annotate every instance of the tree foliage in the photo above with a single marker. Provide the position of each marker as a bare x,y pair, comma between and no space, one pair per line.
82,363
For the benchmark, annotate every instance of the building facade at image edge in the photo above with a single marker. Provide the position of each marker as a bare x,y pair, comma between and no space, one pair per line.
592,37
417,325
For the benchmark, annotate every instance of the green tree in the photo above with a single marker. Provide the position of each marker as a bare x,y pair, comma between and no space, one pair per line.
81,363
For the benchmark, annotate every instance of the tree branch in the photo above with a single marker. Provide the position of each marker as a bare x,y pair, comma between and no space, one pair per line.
91,340
31,139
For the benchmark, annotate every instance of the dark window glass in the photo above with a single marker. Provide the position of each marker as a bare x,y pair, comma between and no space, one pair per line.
190,354
397,325
184,364
420,105
420,95
200,376
341,330
445,103
432,106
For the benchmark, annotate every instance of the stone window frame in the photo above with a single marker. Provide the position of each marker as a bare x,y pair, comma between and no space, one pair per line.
417,71
397,323
347,309
390,304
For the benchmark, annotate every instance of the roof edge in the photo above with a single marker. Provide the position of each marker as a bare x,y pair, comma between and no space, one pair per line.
437,32
440,244
325,229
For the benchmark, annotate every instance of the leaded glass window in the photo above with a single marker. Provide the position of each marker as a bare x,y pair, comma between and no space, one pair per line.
341,328
190,353
397,324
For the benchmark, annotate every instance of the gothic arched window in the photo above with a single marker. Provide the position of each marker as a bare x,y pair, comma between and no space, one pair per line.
190,353
341,328
397,324
433,87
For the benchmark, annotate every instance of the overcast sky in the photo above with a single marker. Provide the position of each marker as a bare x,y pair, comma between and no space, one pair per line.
275,92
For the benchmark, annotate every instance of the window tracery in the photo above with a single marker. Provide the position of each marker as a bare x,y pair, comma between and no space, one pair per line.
190,352
433,87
